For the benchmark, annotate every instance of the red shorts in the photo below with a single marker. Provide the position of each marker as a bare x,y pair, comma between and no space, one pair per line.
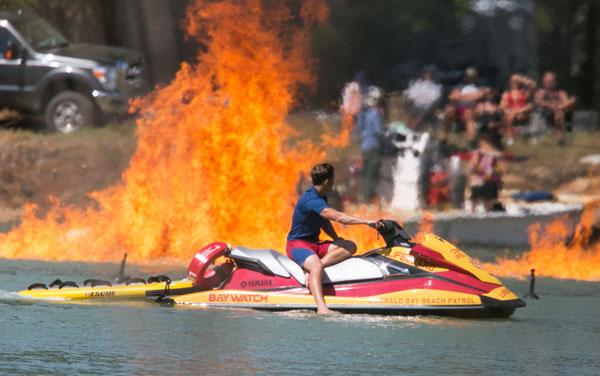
300,250
460,111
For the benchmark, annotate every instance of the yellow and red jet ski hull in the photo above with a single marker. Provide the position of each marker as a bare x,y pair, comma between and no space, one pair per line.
431,277
118,291
500,302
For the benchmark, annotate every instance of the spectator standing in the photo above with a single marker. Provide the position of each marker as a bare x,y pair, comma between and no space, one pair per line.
423,94
554,104
516,103
463,100
370,129
351,102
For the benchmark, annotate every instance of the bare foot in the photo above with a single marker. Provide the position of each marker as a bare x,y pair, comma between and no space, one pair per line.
326,311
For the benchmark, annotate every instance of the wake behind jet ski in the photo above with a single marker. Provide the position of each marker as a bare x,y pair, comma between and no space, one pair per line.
404,278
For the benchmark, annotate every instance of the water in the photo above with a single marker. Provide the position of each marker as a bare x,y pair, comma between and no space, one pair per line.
559,334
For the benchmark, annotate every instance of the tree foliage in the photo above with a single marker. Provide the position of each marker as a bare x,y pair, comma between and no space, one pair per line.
374,35
18,4
568,40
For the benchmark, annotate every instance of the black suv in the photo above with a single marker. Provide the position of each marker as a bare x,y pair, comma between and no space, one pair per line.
70,85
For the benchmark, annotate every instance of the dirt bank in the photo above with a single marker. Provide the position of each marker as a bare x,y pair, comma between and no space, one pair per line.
35,166
546,166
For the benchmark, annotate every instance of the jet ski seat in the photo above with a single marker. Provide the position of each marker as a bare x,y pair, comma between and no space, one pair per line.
273,262
269,261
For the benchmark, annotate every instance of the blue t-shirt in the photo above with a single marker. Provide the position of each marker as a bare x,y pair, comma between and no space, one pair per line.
307,221
370,128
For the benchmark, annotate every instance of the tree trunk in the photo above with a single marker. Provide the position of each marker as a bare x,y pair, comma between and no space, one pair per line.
80,23
588,68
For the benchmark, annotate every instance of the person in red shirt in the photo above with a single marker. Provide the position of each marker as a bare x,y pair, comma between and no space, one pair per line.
516,103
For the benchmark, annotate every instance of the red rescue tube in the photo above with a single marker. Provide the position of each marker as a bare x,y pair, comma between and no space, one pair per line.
205,257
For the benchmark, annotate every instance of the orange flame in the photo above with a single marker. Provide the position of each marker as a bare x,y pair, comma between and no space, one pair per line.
553,255
213,161
425,227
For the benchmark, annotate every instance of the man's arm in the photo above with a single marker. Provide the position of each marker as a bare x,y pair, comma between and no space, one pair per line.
527,81
475,96
455,95
539,99
566,101
525,109
343,218
329,230
504,101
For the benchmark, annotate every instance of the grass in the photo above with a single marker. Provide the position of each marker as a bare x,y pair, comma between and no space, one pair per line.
30,132
546,166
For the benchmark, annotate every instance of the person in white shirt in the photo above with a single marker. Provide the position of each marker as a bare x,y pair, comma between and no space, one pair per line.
423,94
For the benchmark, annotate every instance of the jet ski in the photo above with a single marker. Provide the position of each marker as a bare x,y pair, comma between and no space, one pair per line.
402,278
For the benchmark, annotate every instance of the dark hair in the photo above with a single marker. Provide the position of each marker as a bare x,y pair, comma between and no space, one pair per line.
321,172
493,138
428,69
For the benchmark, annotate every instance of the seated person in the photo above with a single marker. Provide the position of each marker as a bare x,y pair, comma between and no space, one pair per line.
8,48
516,103
311,214
485,177
463,100
423,94
554,104
489,117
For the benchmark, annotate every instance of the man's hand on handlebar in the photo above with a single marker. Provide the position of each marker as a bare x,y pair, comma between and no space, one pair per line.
375,224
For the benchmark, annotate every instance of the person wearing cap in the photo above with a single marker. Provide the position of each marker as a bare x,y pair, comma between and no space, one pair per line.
370,130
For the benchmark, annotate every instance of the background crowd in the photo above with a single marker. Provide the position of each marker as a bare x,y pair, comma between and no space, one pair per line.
484,120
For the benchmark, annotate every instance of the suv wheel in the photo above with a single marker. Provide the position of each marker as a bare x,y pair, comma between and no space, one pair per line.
69,111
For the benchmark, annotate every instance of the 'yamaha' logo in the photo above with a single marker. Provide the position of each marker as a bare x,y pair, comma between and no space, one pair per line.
256,283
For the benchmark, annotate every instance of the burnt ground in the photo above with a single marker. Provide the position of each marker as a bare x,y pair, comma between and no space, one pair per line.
35,164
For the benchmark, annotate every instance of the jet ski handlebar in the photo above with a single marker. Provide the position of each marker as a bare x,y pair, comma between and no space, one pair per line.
391,231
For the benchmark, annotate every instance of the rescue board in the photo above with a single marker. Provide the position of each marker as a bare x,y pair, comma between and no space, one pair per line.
117,291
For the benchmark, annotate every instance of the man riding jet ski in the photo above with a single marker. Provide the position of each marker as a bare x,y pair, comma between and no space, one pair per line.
404,277
401,278
311,215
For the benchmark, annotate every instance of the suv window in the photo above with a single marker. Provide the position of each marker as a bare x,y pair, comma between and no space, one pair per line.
5,37
40,34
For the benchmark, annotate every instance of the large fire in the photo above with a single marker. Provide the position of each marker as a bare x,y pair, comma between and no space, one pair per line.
214,159
555,254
